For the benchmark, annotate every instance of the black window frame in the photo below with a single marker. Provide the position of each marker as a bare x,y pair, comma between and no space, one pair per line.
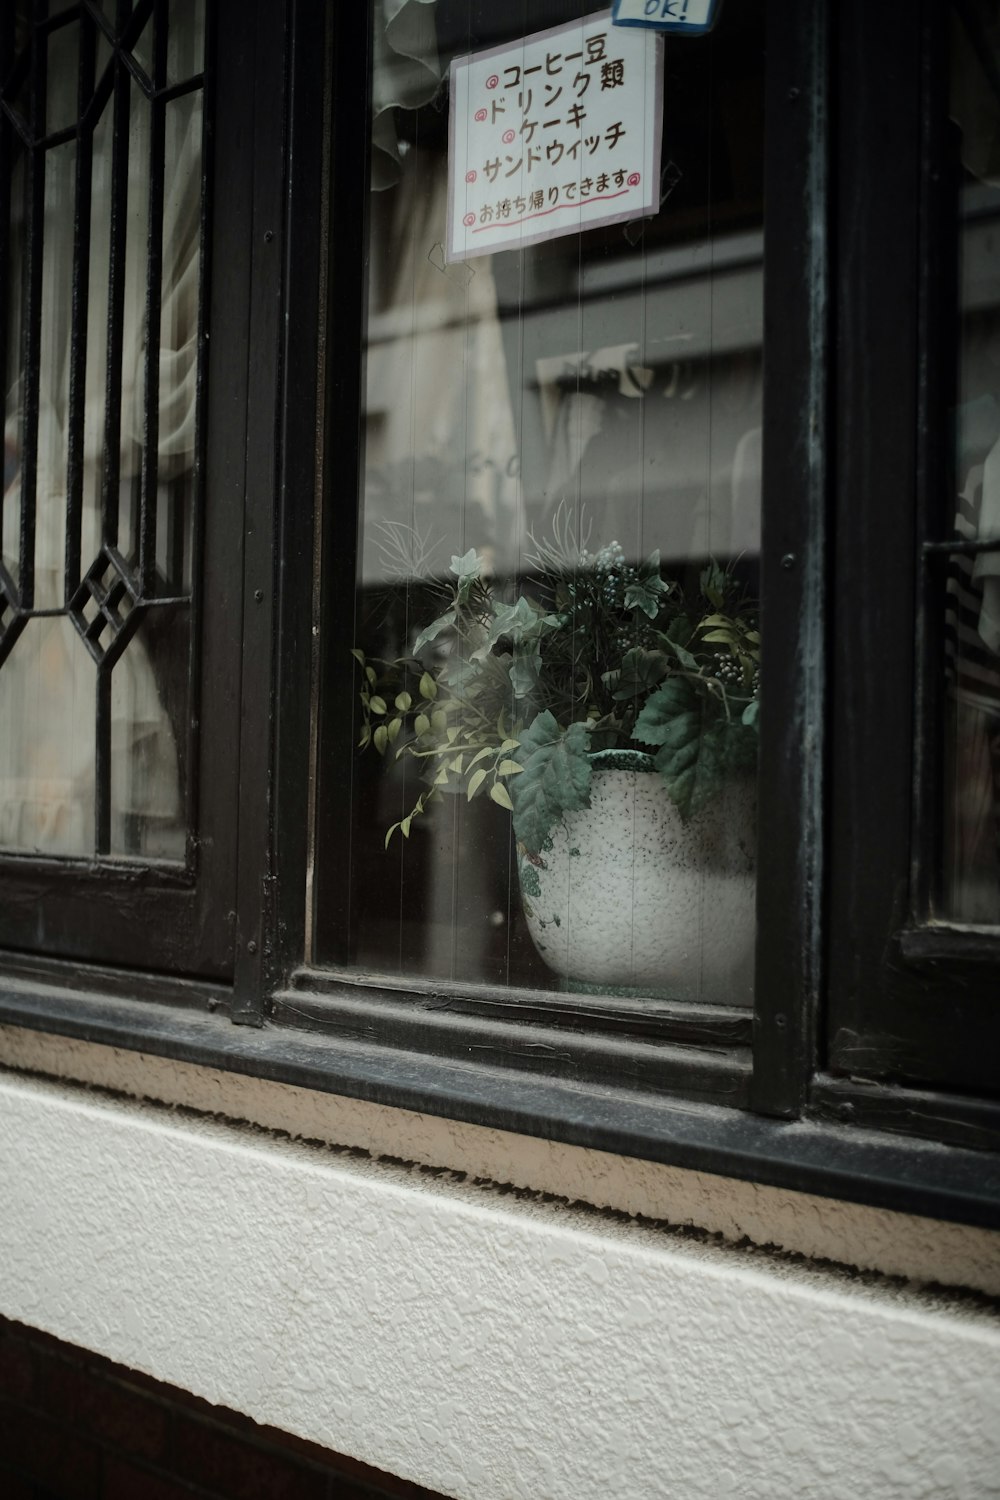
779,1097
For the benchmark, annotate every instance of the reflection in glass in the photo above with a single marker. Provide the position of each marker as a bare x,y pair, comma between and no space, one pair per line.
46,741
144,753
178,365
560,531
53,379
59,739
60,99
972,735
97,330
185,40
133,370
14,376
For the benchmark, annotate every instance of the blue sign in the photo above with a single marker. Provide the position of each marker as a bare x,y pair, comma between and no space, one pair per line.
694,17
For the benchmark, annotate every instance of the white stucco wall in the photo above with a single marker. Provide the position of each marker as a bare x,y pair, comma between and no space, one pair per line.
485,1344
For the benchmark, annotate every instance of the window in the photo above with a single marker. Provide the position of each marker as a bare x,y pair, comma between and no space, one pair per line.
106,624
578,419
698,460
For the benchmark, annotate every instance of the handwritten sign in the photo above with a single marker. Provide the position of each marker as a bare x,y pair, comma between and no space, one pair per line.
553,134
692,16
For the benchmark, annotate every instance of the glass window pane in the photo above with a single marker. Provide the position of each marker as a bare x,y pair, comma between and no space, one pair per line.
101,684
972,732
560,516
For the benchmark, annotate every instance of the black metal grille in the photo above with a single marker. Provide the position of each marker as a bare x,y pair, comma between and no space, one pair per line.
128,64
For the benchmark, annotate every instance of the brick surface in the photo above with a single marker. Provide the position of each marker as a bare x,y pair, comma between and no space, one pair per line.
55,1457
72,1392
224,1463
13,1487
17,1366
124,1480
85,1410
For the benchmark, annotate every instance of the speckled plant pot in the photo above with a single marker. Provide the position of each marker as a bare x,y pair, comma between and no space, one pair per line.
630,898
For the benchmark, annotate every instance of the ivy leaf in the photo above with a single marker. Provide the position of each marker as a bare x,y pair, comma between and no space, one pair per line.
670,715
751,713
466,569
519,623
693,769
555,778
684,656
646,593
698,750
431,634
524,672
640,671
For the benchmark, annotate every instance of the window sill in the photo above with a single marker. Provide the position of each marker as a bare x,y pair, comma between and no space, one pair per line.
811,1156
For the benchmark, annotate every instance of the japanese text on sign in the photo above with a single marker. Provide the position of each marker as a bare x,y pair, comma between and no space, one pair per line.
552,134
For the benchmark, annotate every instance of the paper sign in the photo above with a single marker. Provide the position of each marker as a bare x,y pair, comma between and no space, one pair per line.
692,16
552,134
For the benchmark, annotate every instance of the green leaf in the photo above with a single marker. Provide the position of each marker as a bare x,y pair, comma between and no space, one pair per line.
431,634
404,826
359,656
372,675
403,702
751,714
684,656
646,593
428,687
714,584
390,833
500,794
555,778
475,782
509,768
520,623
640,671
439,721
693,769
664,718
381,738
377,705
393,728
421,725
525,670
698,750
466,569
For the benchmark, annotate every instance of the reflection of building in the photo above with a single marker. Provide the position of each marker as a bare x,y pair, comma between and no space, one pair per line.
498,1239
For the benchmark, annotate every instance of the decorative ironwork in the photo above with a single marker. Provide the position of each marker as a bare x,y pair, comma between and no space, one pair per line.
111,84
12,620
106,608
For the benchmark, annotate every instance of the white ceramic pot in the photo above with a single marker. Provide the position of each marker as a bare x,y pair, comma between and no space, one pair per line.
628,896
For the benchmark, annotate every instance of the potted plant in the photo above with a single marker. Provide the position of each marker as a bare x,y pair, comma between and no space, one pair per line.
613,714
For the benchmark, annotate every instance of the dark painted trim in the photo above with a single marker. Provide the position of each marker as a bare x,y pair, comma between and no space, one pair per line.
793,556
831,1160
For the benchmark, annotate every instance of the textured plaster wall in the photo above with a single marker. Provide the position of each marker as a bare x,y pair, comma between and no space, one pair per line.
486,1346
798,1223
